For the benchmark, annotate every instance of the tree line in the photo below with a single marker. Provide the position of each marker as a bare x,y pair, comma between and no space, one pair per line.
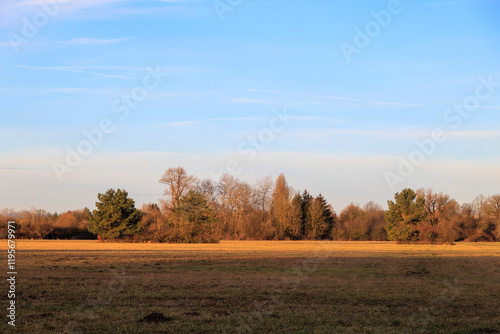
206,210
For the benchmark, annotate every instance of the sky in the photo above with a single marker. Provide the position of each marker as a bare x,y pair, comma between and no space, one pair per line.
354,100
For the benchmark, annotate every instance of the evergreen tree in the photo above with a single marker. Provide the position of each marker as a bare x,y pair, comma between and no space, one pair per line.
328,214
403,216
306,202
295,228
115,217
319,218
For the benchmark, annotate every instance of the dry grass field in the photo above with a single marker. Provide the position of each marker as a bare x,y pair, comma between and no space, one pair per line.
256,287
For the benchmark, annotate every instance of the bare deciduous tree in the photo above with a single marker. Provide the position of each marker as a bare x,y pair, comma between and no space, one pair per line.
352,220
208,188
226,188
318,221
493,206
478,206
178,183
435,205
263,192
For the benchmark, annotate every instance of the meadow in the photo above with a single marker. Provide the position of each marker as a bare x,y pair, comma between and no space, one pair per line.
256,287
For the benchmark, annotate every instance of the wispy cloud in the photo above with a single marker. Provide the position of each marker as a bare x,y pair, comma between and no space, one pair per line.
58,90
223,119
70,69
12,11
389,134
94,41
210,120
245,100
456,3
81,4
315,118
170,69
77,41
315,134
342,98
474,134
263,91
399,104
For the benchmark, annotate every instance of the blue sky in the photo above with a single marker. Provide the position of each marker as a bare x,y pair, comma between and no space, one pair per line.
226,74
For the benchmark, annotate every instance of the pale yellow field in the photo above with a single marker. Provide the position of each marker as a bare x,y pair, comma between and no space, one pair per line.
307,248
256,287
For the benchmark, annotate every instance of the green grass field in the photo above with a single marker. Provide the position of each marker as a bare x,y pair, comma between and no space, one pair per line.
256,287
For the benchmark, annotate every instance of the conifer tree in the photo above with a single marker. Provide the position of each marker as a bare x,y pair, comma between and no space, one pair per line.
115,217
403,215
